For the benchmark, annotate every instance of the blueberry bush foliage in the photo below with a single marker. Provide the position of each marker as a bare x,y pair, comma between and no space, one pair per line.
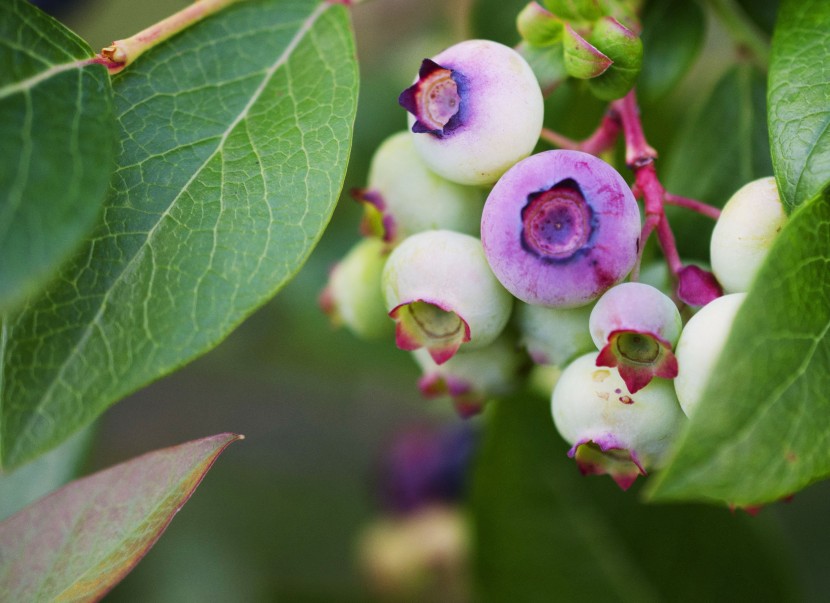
154,194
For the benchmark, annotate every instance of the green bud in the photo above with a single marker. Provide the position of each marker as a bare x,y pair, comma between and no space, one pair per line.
624,11
625,50
538,26
547,63
582,59
575,10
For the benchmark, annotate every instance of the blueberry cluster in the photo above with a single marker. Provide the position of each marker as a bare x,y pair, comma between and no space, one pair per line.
540,272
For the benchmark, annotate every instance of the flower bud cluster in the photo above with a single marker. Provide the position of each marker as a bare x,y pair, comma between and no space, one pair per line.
541,273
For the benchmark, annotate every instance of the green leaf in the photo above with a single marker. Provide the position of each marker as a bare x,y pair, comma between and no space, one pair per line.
761,430
57,136
799,100
722,146
235,137
44,474
673,32
545,533
80,541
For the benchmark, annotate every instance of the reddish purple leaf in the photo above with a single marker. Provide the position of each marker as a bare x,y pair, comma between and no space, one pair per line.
78,542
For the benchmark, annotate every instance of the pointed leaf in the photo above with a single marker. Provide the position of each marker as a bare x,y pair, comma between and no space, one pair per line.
235,136
80,541
57,137
799,99
544,532
760,432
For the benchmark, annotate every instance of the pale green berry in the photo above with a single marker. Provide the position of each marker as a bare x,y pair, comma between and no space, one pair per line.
699,347
353,295
744,233
610,429
554,335
471,377
442,294
404,197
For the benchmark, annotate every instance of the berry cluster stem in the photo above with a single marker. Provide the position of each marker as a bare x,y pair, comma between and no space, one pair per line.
640,156
623,116
603,139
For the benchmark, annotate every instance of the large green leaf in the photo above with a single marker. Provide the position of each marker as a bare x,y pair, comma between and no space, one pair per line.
80,541
57,136
799,99
546,533
722,146
235,137
762,427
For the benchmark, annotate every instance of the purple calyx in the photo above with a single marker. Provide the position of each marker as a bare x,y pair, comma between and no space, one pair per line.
376,222
601,456
638,357
466,400
423,324
435,99
557,223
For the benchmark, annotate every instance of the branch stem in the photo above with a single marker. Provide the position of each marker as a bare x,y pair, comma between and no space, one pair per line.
603,138
121,53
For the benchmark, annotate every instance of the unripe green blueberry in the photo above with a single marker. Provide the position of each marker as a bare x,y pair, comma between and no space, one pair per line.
748,225
471,377
475,109
441,292
700,344
554,335
611,430
353,295
635,327
404,197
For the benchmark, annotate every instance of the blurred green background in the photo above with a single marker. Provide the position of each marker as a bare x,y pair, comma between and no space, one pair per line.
278,516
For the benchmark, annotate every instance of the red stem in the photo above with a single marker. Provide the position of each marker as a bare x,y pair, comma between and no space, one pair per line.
640,156
603,138
710,211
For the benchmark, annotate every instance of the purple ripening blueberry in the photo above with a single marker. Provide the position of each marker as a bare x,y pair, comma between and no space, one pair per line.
560,228
474,110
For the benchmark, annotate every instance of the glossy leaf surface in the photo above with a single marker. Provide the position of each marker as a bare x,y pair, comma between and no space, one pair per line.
57,136
235,136
799,99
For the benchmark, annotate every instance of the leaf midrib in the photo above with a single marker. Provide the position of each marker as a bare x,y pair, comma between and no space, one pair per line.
303,29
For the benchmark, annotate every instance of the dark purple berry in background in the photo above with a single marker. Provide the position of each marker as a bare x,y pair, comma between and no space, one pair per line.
560,228
425,465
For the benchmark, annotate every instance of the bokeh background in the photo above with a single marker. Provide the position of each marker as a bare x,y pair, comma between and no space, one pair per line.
279,515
